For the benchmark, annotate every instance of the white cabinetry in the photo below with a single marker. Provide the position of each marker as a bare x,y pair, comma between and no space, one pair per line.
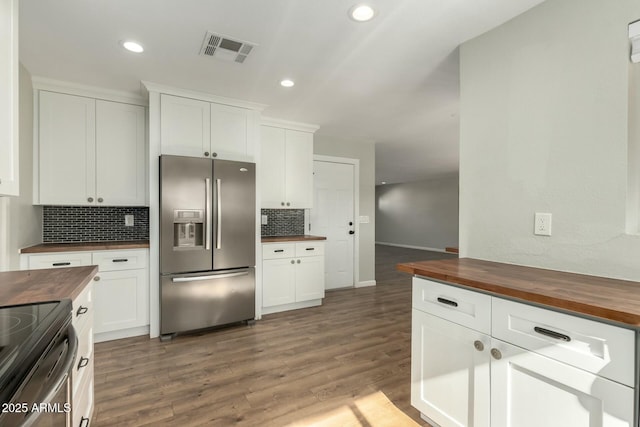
286,166
198,128
292,275
121,288
89,151
464,373
9,83
82,373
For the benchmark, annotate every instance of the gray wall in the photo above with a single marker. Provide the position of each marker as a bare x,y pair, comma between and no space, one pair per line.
365,152
421,214
545,128
24,221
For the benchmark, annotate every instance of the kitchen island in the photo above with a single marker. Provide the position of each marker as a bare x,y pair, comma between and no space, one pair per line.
504,345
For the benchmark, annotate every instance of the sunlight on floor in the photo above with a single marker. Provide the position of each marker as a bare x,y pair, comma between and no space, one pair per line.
373,410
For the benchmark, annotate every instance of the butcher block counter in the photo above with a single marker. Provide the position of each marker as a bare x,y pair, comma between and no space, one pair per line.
609,299
296,238
29,286
85,246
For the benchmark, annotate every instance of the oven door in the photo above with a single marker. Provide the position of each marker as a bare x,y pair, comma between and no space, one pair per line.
45,397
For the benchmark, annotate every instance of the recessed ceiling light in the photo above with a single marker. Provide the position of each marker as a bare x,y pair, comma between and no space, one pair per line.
133,46
287,83
362,13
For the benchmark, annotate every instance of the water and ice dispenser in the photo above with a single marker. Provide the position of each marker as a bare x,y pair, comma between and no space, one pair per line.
188,229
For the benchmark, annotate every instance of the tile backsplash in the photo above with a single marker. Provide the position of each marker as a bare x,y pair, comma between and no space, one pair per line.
283,222
93,223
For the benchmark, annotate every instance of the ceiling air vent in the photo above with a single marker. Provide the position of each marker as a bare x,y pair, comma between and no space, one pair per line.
225,48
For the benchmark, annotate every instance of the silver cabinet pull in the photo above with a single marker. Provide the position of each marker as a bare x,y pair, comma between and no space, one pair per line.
100,200
298,261
478,345
207,208
96,278
90,199
206,154
293,261
219,216
496,354
552,334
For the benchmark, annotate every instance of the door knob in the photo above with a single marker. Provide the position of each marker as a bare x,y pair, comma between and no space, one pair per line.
352,232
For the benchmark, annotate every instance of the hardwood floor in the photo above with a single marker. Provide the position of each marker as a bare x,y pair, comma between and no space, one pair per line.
345,363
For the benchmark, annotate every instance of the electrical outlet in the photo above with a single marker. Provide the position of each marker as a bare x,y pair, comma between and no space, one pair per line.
265,220
542,224
128,220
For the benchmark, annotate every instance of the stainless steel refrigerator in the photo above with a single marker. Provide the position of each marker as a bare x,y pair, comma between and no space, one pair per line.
207,243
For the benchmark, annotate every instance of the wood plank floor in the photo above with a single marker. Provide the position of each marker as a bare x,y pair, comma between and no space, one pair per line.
345,363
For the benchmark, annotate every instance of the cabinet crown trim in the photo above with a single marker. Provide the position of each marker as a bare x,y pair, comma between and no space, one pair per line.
280,123
70,88
202,96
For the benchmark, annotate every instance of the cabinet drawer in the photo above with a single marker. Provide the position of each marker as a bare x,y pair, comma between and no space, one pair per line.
466,308
309,249
82,402
278,250
120,260
602,349
83,308
83,365
66,259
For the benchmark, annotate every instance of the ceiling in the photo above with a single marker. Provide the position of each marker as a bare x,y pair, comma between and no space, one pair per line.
392,81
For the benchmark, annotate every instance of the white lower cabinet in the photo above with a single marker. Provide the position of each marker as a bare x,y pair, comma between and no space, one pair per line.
82,372
292,276
121,288
461,376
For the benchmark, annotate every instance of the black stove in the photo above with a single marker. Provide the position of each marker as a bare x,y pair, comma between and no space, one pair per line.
27,332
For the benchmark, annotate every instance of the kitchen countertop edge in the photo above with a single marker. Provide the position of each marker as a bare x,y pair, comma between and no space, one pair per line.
297,238
85,246
612,300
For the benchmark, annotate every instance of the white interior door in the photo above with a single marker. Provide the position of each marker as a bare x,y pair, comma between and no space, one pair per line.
333,216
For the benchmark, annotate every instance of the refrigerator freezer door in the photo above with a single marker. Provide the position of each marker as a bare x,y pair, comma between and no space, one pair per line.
196,301
185,214
234,208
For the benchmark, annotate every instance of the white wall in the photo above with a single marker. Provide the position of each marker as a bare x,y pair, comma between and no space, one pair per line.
422,214
544,128
365,152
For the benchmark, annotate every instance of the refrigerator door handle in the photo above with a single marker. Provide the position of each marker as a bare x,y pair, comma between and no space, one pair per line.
212,277
219,215
207,207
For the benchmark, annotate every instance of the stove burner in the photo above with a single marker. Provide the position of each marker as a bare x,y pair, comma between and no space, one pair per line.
15,322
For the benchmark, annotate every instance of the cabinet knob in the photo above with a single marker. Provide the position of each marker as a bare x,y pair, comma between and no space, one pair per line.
293,262
478,345
281,203
288,204
100,200
96,278
298,261
496,354
90,199
214,154
206,154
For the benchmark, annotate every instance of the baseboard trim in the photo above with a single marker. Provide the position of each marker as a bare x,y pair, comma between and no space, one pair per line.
365,283
292,306
123,333
424,248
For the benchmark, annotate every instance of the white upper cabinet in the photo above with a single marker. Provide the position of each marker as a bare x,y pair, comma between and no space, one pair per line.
196,128
286,167
9,100
89,151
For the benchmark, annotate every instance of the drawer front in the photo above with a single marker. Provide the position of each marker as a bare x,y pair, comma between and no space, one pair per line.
120,260
82,402
83,365
602,349
461,306
83,308
278,250
309,249
61,260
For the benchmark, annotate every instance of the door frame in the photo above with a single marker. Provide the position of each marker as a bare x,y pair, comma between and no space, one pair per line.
356,208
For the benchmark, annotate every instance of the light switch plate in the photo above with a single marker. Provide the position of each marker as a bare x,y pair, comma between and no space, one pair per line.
265,220
128,220
364,219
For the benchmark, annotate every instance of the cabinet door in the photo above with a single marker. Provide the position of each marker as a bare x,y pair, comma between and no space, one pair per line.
450,376
66,149
120,159
229,132
9,83
309,278
185,126
272,167
121,300
278,282
299,169
530,390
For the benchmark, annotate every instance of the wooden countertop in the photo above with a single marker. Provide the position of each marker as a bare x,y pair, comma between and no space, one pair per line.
27,286
610,299
300,238
85,246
